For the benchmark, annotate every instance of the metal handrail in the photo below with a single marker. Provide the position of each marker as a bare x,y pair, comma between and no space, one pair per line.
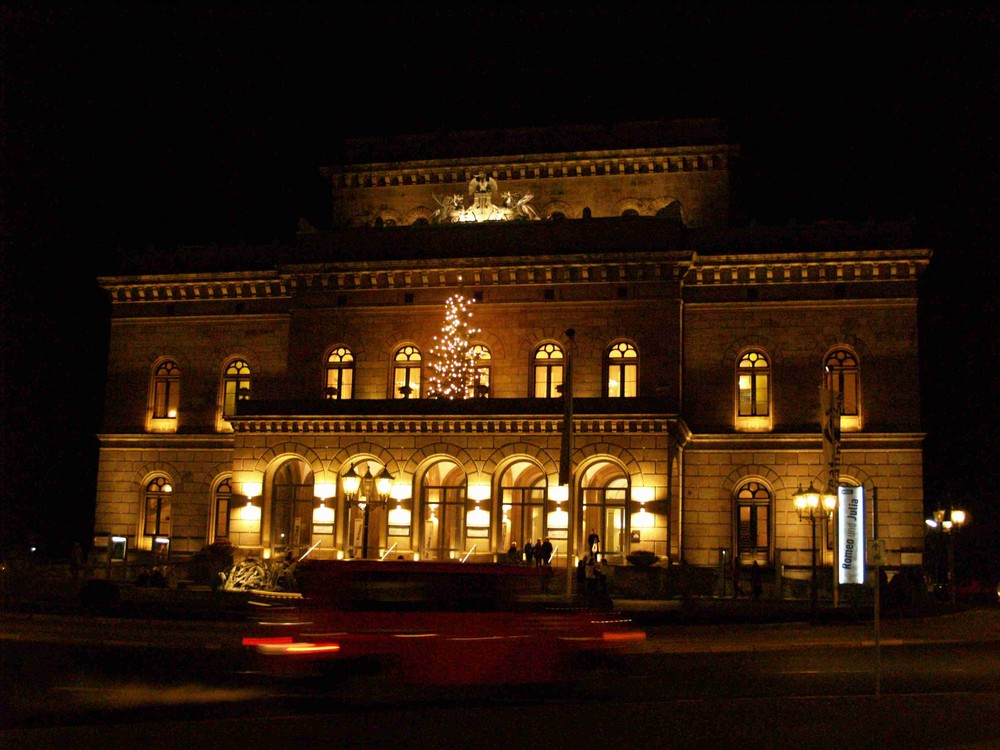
469,552
388,551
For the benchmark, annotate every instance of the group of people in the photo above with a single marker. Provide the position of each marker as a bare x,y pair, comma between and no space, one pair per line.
539,554
591,574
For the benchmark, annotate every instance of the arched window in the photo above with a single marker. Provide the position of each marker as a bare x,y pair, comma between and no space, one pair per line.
522,501
339,374
605,490
291,506
548,370
753,523
406,372
166,390
482,363
623,371
630,213
753,385
235,386
157,507
842,374
223,504
444,501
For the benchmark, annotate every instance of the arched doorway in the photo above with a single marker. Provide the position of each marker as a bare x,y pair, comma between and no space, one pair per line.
604,489
443,500
291,508
522,498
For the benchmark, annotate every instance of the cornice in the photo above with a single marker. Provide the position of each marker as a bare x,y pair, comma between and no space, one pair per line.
202,287
804,268
173,441
630,267
793,442
797,304
606,163
511,425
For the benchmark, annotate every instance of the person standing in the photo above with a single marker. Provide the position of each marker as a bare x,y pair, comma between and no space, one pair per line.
547,552
512,553
593,544
539,553
529,550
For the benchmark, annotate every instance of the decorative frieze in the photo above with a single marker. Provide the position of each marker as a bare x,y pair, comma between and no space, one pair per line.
492,425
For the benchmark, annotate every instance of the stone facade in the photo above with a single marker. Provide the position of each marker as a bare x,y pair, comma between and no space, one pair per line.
688,296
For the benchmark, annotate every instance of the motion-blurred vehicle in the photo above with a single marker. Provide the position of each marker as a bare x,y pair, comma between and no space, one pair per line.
977,592
434,624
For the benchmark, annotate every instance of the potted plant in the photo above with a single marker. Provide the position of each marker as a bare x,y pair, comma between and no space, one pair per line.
642,558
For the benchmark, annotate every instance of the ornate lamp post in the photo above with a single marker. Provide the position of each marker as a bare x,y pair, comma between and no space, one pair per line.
365,491
948,522
807,503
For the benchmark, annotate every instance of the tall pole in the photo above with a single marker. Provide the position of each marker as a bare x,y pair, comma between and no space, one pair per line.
951,568
814,599
364,532
565,461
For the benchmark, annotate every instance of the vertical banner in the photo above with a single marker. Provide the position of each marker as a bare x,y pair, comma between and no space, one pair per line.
850,535
831,404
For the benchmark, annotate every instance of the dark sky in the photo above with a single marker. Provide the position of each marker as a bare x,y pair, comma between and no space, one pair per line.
129,125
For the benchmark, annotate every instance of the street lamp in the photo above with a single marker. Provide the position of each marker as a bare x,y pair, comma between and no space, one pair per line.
365,491
807,503
947,522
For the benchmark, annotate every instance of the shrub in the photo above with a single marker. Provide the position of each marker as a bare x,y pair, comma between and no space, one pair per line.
642,558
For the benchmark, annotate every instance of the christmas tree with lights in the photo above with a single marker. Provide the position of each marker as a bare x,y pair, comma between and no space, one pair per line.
453,369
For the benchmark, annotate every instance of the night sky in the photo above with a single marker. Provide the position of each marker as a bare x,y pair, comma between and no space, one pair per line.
126,126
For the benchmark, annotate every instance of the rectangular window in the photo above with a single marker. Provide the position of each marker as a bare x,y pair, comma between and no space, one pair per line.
631,378
746,396
849,383
157,515
161,399
760,405
222,518
229,398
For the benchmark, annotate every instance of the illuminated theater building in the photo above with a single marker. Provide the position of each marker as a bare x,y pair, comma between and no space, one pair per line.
297,395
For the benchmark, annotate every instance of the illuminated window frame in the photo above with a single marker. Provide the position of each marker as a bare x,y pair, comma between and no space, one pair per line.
752,375
339,384
548,366
164,396
157,508
406,372
754,512
481,366
222,508
622,371
235,385
842,374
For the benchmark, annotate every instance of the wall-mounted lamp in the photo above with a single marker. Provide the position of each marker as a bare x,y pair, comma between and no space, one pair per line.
324,515
558,518
400,516
251,512
643,495
477,517
643,519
